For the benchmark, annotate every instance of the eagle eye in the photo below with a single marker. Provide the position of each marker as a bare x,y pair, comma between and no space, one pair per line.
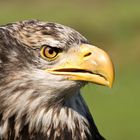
49,53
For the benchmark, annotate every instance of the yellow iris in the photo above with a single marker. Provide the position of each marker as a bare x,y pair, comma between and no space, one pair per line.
49,53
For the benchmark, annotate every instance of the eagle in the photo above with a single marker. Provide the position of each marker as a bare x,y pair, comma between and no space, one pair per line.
43,66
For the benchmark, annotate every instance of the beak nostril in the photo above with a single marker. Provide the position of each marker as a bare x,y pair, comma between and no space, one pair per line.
87,54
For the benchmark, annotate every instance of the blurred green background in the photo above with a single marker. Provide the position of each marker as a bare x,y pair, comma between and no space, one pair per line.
113,26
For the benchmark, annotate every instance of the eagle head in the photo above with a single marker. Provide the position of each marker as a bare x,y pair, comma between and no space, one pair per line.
43,65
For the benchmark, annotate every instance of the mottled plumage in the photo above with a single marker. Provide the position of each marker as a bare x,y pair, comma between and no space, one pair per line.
34,104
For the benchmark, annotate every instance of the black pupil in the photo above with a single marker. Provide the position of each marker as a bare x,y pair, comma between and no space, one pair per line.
51,51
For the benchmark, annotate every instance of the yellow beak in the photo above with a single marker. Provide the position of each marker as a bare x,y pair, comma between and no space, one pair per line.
89,64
